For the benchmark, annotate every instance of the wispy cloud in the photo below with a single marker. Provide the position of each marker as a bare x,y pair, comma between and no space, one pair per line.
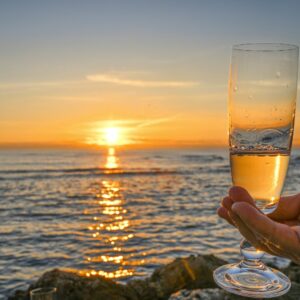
155,121
33,85
115,79
129,124
119,78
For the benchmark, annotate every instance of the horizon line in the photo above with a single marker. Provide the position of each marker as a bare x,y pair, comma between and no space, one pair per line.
20,146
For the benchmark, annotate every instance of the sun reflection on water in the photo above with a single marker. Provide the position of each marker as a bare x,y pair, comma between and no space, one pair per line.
111,226
111,159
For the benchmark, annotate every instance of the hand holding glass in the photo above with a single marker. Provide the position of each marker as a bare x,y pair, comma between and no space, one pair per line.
262,102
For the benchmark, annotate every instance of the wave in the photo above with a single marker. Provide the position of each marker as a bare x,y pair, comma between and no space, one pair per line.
203,158
85,170
76,172
295,159
68,170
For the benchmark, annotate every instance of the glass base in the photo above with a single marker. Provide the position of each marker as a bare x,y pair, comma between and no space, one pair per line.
262,282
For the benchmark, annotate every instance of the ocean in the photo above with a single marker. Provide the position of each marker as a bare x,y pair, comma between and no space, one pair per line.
115,213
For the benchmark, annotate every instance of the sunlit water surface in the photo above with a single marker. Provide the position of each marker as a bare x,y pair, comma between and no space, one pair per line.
118,214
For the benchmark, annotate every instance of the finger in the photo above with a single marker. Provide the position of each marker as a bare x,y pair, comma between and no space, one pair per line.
288,208
247,233
239,194
290,222
254,219
256,240
296,254
223,213
227,203
280,236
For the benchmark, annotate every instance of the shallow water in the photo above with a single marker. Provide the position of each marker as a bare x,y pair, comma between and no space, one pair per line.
120,214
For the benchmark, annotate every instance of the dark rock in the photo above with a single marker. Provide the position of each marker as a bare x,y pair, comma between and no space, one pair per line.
193,272
293,272
185,273
218,294
71,286
20,295
143,289
293,294
205,294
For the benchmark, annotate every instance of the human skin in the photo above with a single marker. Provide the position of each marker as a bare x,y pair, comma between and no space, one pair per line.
277,233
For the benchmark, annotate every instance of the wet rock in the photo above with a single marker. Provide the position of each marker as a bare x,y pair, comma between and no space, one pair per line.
71,286
189,273
191,276
219,294
182,273
293,272
20,295
144,289
205,294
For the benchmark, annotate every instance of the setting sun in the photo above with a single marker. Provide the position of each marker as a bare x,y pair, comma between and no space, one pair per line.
112,135
107,134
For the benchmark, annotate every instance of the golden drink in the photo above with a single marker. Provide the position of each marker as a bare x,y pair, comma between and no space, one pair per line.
261,174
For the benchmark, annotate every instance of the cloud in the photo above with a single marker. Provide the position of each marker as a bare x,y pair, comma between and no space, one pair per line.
154,121
33,85
99,126
114,79
121,78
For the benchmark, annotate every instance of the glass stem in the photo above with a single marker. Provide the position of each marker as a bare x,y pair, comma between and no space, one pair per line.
251,256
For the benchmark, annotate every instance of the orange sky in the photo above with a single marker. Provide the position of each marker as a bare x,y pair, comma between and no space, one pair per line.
70,71
76,113
148,112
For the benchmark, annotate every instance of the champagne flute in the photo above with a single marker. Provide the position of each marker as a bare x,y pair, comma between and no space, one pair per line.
262,101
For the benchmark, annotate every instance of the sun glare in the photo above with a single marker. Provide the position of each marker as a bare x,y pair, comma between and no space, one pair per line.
107,135
112,135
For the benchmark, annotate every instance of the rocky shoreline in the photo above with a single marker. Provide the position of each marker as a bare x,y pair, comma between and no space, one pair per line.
183,279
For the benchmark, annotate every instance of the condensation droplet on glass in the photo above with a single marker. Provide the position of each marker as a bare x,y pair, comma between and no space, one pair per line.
235,88
278,74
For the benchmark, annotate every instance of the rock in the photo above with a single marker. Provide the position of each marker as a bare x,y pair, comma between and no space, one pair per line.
143,289
205,294
293,294
219,294
183,274
71,286
20,295
293,272
191,272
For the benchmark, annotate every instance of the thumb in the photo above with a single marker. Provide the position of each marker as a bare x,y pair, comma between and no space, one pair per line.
288,208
